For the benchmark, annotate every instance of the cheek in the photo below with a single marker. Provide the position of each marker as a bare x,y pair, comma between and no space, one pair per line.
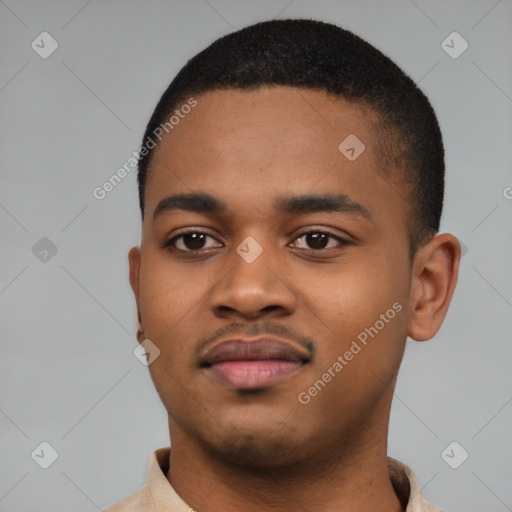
345,299
167,294
361,352
359,314
170,302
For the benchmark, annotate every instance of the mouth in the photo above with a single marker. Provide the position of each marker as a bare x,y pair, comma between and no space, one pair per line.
254,363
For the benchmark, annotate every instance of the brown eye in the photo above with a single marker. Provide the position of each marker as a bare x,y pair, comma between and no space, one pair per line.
319,240
192,241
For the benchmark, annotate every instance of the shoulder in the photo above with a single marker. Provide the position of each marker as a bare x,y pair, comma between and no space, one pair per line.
429,507
132,503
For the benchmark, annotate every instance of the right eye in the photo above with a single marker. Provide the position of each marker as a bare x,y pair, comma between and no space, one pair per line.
190,241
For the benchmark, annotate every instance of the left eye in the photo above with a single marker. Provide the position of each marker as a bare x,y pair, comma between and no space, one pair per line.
318,240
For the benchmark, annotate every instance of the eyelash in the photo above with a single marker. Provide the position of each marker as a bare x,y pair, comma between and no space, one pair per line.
170,243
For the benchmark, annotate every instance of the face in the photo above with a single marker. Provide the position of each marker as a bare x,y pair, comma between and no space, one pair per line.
292,238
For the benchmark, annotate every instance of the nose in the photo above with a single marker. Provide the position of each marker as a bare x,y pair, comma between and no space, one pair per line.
256,289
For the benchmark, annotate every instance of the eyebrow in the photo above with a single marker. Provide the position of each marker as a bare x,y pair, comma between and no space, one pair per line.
293,205
339,203
195,202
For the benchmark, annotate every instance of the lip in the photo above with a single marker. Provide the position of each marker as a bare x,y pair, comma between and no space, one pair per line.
254,363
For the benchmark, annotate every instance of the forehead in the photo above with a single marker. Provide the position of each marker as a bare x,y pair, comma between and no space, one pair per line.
250,147
270,123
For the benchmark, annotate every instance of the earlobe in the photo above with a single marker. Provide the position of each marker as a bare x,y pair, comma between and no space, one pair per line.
134,262
435,273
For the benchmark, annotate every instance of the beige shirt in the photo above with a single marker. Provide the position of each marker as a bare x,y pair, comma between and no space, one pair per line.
158,494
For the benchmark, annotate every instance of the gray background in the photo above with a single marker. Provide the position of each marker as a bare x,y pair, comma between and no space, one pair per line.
68,375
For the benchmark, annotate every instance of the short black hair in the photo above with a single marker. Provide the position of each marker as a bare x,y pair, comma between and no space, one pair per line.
316,55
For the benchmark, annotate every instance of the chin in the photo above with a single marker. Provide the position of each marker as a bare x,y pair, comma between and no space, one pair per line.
256,451
261,441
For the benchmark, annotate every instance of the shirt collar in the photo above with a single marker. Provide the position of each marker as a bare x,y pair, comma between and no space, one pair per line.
407,488
159,496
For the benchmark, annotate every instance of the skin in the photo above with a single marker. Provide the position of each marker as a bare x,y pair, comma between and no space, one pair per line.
264,450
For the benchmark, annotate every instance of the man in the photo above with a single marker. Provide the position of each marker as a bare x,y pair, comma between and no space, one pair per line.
291,185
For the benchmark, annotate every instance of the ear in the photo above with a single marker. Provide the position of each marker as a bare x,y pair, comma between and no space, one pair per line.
134,261
435,271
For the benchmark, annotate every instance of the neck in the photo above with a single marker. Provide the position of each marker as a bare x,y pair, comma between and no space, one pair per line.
354,479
